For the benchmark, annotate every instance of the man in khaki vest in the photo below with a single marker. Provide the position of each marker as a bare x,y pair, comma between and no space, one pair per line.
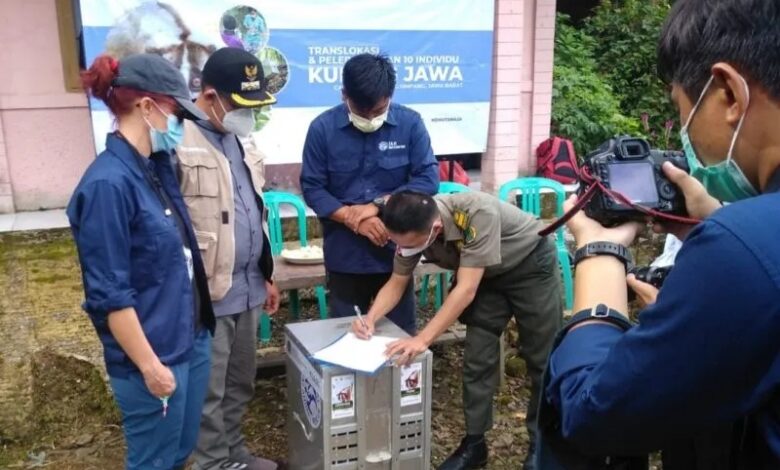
503,270
221,181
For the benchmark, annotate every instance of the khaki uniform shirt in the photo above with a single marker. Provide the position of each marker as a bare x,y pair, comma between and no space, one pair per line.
479,231
207,187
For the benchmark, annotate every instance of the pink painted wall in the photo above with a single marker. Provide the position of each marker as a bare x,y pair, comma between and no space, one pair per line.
522,89
45,132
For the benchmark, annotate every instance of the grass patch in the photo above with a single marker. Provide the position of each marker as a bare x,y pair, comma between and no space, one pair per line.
69,396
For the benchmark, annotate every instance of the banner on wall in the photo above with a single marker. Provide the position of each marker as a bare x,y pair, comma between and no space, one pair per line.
442,51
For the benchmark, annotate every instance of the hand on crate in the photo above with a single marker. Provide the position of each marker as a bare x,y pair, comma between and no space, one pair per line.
404,351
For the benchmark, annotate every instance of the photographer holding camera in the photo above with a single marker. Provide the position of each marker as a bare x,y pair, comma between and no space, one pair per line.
706,354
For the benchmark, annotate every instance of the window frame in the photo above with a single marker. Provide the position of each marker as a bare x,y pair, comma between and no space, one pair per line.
68,22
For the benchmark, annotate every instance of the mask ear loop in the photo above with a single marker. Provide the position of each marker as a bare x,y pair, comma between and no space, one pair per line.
167,116
214,112
741,120
698,102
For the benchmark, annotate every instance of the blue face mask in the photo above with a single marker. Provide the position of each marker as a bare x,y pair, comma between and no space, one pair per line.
723,181
168,139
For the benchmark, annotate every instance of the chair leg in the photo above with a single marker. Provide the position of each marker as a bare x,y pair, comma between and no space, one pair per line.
295,304
323,304
264,328
568,282
439,295
423,300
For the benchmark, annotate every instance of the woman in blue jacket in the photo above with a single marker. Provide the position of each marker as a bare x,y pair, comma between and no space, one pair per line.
145,287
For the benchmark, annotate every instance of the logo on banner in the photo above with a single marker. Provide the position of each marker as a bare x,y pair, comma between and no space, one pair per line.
392,145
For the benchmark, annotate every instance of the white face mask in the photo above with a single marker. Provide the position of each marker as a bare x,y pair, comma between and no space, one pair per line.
239,121
368,125
406,252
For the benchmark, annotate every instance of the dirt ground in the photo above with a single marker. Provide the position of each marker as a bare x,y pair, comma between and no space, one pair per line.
50,361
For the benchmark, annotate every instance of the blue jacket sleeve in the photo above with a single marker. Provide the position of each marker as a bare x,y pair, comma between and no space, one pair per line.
424,175
100,219
314,174
699,356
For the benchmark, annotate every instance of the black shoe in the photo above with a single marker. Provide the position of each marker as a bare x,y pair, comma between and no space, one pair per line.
471,453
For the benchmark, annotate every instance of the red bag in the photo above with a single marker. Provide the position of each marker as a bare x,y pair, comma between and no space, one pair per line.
556,160
459,175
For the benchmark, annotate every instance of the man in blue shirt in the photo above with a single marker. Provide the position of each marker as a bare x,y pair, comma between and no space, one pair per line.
706,353
357,154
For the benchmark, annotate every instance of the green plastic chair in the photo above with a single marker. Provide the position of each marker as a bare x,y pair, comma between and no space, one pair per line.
273,202
448,187
529,198
443,279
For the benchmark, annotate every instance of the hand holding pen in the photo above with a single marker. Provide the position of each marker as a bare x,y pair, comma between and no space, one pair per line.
363,327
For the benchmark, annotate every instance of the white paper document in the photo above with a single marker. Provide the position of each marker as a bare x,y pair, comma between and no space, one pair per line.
354,353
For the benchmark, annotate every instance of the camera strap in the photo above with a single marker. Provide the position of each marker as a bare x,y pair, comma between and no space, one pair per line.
595,185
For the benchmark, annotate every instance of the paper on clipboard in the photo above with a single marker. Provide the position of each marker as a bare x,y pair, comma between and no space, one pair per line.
357,354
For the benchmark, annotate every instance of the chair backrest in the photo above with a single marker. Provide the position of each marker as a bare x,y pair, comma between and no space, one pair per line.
530,191
273,201
448,187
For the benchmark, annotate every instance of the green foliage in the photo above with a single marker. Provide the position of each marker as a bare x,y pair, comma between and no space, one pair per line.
626,33
585,109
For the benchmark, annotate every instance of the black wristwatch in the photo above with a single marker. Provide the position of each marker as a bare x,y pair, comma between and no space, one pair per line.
605,248
380,204
601,313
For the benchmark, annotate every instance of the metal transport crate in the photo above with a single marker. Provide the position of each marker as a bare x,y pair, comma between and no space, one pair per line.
341,419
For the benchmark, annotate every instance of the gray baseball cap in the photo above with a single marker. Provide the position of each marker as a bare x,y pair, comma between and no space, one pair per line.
155,74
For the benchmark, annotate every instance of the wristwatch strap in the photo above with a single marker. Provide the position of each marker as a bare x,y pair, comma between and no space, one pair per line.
605,248
380,204
601,313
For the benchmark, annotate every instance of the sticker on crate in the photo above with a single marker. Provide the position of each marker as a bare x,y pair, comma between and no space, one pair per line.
304,365
312,402
342,396
411,384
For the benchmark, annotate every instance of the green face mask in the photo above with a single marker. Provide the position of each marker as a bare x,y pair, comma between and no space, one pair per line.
725,180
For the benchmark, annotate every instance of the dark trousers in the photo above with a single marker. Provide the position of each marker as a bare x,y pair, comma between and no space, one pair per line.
531,293
347,290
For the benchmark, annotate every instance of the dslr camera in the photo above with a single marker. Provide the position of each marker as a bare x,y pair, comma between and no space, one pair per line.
627,165
653,275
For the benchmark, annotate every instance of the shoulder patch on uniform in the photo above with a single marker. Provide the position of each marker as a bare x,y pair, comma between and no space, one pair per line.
469,234
462,220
